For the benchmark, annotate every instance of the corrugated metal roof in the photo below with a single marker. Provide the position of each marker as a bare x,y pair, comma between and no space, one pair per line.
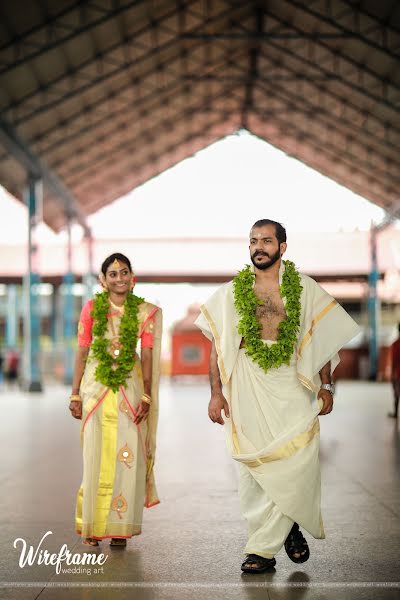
109,93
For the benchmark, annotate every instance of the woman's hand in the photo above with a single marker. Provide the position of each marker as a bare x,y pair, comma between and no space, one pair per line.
142,413
75,406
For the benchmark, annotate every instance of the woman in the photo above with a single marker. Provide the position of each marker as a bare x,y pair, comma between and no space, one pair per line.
116,395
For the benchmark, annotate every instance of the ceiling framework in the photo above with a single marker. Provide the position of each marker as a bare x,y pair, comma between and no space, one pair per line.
106,94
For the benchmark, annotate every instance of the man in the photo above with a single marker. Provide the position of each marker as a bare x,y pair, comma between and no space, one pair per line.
275,336
395,370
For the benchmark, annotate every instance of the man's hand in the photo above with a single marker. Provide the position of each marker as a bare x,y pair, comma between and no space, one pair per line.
76,409
327,399
216,405
142,412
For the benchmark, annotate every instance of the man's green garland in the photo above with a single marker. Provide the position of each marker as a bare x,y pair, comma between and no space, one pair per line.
249,328
114,371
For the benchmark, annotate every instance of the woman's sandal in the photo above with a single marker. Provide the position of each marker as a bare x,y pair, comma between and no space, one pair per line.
257,564
118,542
90,542
296,543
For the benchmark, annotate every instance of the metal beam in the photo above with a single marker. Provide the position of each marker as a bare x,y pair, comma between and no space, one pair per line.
293,143
136,141
265,78
132,38
353,86
99,58
21,39
163,95
324,119
345,102
173,87
313,103
126,124
345,31
36,168
324,146
359,67
360,9
266,36
110,14
137,166
253,63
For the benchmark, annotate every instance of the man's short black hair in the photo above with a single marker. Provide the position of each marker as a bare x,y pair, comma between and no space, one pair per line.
280,231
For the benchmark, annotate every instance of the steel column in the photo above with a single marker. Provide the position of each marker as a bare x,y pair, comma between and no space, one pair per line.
31,356
89,279
69,312
12,316
373,306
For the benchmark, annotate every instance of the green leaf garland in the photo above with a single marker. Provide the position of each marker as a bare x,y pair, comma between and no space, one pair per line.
249,328
114,371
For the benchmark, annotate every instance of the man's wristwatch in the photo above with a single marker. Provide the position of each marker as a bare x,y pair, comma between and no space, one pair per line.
328,386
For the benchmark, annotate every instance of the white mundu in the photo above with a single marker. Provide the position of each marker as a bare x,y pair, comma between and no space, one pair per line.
273,429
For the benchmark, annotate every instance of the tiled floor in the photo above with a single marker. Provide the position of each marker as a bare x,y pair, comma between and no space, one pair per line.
192,542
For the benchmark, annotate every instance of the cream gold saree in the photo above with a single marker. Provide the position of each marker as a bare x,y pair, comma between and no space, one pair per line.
118,456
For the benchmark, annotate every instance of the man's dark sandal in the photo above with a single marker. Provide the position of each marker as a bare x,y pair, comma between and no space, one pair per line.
260,564
296,543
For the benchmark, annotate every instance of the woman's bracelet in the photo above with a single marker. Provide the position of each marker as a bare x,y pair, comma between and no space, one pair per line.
146,398
75,398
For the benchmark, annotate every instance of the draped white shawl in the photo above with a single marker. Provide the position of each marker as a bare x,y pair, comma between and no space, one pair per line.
325,327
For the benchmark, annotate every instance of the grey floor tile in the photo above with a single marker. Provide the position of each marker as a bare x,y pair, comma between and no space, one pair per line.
192,542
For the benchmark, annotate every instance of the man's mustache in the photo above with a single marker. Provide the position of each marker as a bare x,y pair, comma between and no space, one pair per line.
259,253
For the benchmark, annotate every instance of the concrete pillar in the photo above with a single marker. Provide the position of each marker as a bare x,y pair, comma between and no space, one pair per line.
31,370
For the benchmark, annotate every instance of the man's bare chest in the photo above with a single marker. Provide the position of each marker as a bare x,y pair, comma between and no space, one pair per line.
272,306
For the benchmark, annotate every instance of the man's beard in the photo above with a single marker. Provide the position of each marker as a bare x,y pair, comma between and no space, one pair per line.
265,265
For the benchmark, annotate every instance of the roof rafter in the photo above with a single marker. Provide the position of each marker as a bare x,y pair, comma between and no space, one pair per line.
294,146
134,142
198,134
132,38
144,107
320,16
83,28
165,93
360,9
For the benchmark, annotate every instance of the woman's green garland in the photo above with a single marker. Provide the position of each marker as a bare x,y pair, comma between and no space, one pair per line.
249,328
114,371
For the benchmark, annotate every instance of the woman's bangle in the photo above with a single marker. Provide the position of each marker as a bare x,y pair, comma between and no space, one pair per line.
75,398
146,398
